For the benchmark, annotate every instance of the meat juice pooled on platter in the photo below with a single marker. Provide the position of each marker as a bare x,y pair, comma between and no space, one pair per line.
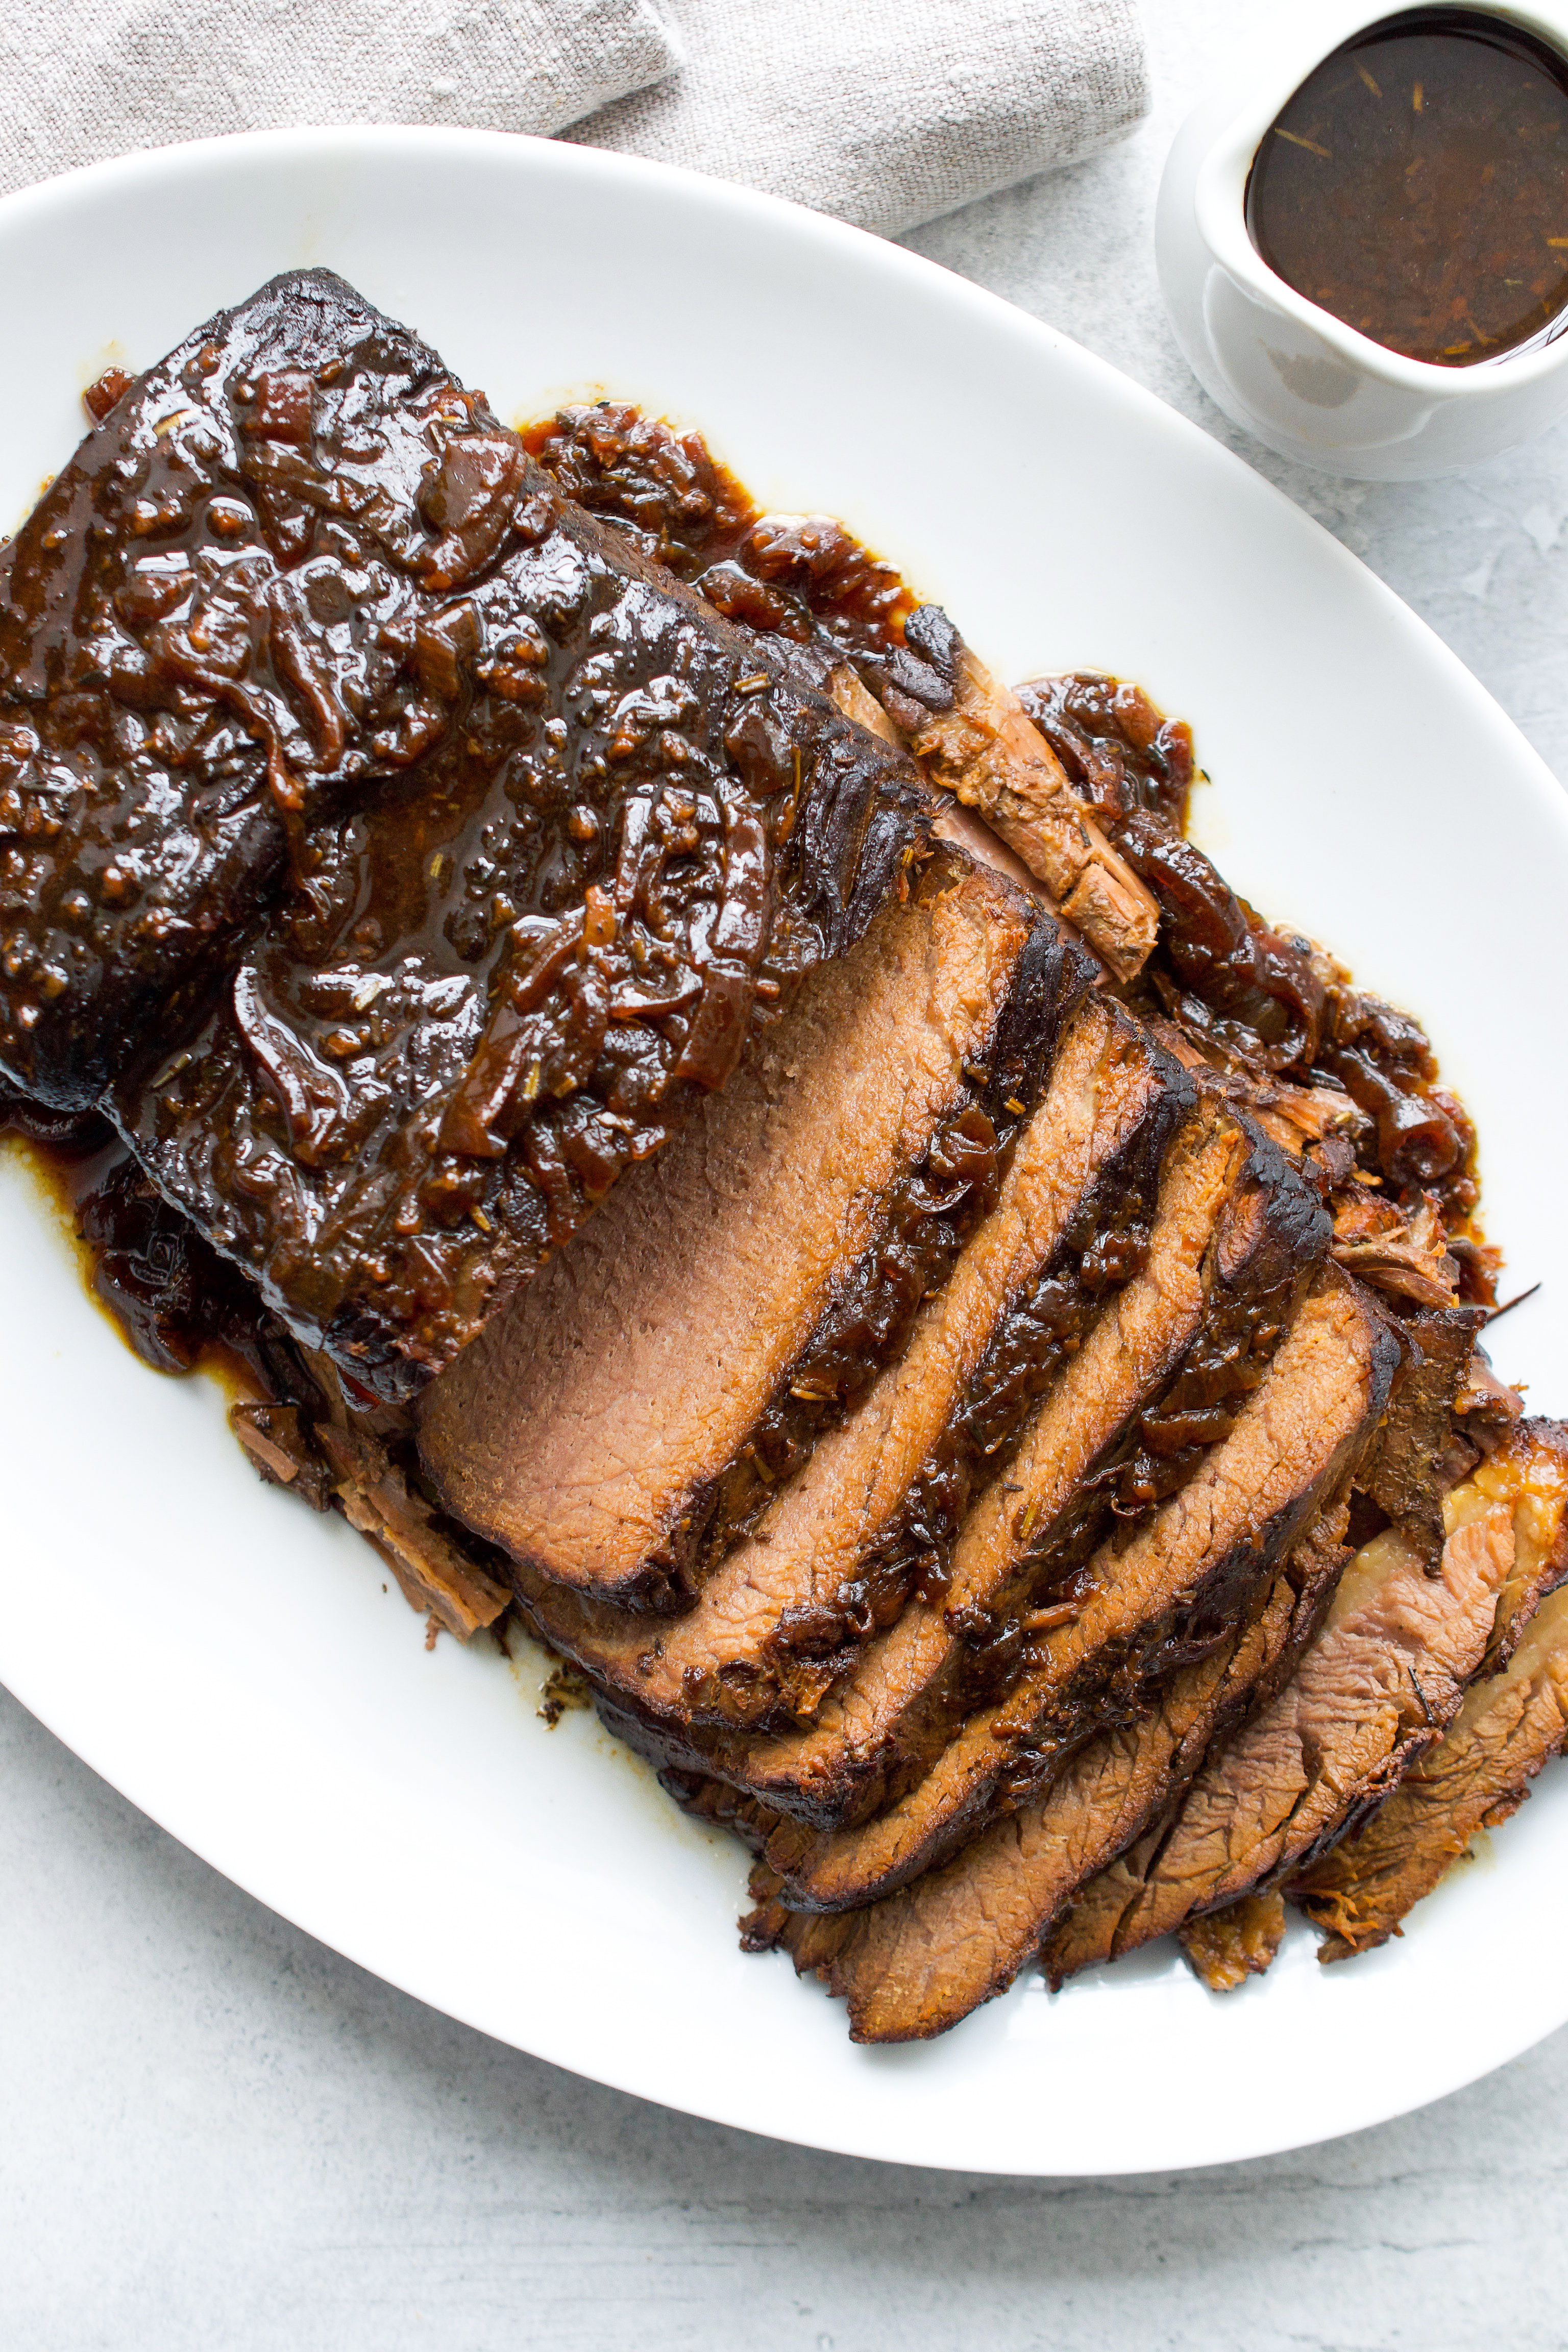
1416,187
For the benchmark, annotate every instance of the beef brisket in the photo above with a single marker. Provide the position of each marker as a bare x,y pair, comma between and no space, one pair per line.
1225,1947
1193,1570
1409,1472
778,1619
623,1422
168,700
1477,1774
434,1566
975,736
1156,1381
939,1454
309,1436
915,1964
539,839
1385,1677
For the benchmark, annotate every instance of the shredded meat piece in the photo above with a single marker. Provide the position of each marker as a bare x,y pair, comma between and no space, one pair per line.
1238,1942
1399,1249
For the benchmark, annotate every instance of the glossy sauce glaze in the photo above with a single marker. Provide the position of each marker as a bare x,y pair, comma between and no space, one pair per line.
392,851
1416,187
794,576
1219,973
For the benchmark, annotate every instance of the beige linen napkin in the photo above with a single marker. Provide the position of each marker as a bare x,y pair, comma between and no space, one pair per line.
84,79
884,111
888,111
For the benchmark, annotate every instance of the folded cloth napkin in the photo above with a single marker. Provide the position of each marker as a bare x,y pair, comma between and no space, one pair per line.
884,111
84,79
888,111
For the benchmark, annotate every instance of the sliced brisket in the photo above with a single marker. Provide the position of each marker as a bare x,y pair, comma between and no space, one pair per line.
877,1500
401,856
334,1452
1193,1570
438,848
1381,1681
433,1565
626,1418
1156,1381
1479,1773
913,1965
975,736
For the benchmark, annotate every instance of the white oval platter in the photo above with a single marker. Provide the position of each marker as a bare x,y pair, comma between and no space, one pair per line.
233,1665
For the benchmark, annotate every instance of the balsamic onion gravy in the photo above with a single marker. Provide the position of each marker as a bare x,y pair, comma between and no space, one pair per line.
500,940
1416,187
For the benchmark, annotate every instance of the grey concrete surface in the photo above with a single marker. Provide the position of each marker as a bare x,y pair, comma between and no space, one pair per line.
218,2137
215,2134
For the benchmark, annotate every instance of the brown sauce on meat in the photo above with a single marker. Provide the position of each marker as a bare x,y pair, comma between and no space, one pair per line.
789,575
397,855
1252,999
1159,1453
1416,187
923,1223
1105,1244
1256,1002
174,1300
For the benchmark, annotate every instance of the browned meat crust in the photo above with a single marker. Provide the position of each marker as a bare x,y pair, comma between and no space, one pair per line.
801,580
1381,1682
1415,1462
915,1964
145,770
1173,1593
299,573
778,1620
627,1418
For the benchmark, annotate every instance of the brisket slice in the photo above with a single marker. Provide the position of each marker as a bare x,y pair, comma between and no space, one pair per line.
560,838
912,1966
1382,1680
1167,1597
778,1619
621,1422
1414,1464
1477,1774
1157,1379
962,827
975,736
333,1451
435,1567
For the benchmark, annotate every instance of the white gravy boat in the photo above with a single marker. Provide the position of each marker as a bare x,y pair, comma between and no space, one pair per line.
1300,379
